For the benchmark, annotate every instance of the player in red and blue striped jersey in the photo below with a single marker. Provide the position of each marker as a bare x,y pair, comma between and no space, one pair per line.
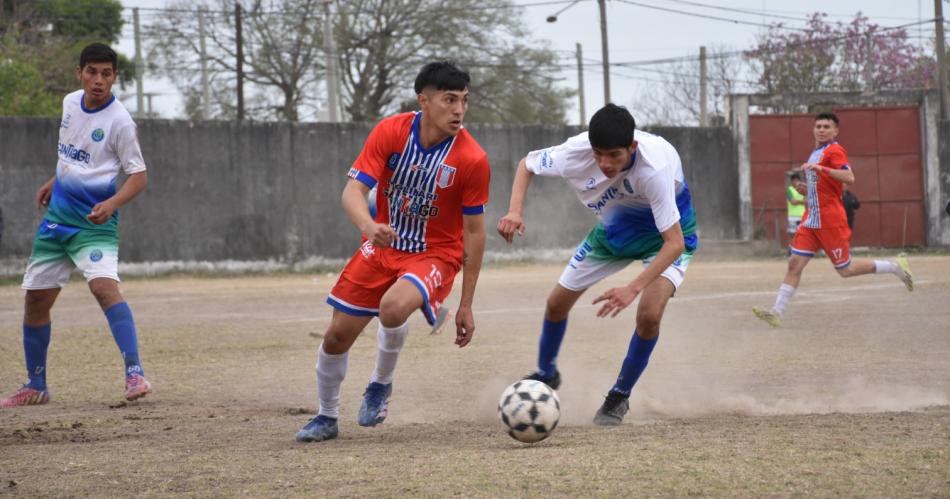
431,180
824,224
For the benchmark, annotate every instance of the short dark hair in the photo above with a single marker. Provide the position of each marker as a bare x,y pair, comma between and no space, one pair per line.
441,75
827,116
796,175
98,52
612,126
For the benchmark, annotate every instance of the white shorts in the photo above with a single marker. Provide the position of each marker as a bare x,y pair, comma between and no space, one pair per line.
58,249
583,272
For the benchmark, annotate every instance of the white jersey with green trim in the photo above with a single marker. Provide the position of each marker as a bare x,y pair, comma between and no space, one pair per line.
94,145
646,198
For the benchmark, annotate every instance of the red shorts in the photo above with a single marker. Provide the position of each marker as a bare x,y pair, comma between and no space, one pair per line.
371,271
835,241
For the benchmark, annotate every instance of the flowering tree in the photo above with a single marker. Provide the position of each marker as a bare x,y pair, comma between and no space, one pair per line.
858,55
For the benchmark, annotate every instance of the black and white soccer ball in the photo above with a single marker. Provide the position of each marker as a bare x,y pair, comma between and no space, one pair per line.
529,410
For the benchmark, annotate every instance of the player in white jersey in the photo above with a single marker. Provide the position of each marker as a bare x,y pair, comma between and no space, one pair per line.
633,182
97,140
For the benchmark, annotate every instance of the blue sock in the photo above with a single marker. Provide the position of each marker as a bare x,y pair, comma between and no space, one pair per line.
123,330
552,333
35,344
638,354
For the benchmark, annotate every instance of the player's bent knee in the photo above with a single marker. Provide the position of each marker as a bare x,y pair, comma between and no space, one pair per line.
557,309
393,316
648,323
335,343
106,292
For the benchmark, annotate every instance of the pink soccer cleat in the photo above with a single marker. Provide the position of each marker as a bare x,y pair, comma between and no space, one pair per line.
136,387
26,396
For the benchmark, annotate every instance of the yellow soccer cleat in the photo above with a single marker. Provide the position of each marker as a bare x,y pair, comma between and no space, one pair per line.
905,275
768,316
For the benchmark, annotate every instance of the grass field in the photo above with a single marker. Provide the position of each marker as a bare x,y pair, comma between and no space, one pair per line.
851,396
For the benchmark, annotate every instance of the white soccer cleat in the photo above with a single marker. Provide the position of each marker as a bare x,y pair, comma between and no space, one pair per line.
905,275
440,319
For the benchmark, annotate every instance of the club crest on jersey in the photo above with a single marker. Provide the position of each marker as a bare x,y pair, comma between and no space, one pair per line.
96,255
98,134
392,161
367,249
446,176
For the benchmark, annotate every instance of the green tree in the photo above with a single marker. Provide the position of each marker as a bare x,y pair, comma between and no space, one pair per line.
22,90
40,43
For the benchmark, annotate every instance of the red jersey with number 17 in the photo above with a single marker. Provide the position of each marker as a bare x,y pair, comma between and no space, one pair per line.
824,209
423,192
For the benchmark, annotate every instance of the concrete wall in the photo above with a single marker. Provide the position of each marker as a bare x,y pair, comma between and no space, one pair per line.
223,190
943,229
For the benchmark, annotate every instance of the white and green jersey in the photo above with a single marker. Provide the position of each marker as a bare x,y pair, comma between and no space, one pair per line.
644,199
94,144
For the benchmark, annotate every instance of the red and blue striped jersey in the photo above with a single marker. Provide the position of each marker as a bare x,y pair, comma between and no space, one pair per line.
423,193
823,208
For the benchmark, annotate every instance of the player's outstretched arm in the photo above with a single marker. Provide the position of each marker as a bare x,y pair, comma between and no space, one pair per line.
356,207
513,222
617,299
133,185
474,241
44,193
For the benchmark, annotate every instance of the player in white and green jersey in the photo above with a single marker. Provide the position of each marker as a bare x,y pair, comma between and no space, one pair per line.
97,140
633,182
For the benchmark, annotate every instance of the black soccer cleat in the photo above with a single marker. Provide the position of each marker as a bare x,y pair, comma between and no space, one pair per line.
554,381
614,409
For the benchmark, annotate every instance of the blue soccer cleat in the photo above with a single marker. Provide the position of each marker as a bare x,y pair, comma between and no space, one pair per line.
375,404
319,429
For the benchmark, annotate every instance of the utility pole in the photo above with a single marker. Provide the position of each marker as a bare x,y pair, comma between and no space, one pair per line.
240,61
869,63
703,118
333,99
139,98
603,47
580,83
205,88
941,58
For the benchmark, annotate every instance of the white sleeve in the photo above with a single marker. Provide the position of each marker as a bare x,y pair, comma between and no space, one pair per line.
660,189
558,160
128,150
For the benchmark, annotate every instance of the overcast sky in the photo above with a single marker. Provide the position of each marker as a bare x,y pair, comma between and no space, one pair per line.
635,33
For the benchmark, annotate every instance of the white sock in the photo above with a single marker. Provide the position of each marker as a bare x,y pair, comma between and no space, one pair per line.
784,296
389,342
886,267
331,369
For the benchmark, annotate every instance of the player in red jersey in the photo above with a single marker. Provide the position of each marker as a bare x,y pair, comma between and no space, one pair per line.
824,224
432,182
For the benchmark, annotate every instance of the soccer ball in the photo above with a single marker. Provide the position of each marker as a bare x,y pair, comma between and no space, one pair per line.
529,410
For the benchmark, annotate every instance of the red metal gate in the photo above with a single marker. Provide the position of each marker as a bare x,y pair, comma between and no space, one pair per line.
884,147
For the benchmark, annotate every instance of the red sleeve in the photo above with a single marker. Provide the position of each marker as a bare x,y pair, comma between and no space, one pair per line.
369,165
475,193
838,158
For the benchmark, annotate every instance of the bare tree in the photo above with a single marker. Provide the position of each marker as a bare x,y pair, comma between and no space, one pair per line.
282,51
673,98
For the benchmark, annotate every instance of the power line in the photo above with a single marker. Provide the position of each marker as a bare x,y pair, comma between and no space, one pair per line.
706,16
740,11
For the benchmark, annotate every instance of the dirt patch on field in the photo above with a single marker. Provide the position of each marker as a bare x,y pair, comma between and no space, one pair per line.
851,396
